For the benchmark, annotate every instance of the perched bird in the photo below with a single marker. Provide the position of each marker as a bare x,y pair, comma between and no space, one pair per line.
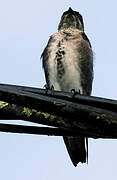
68,64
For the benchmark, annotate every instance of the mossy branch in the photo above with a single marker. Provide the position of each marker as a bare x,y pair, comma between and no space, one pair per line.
80,115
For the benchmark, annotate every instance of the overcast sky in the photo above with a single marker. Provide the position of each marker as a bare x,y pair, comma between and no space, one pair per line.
25,27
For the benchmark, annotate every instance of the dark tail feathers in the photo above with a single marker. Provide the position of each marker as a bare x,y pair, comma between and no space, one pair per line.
76,149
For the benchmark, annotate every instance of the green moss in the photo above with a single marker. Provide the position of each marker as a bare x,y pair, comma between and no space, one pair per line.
3,104
27,111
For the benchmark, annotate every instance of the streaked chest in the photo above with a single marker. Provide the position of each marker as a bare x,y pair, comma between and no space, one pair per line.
63,63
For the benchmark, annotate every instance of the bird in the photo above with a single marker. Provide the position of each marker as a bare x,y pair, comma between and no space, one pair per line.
68,64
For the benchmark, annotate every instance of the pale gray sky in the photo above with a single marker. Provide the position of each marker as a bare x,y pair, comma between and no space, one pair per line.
25,27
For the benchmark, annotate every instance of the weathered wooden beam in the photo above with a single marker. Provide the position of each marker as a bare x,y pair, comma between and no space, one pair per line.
80,114
23,129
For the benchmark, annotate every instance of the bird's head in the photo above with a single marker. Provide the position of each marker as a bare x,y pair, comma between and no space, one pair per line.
71,19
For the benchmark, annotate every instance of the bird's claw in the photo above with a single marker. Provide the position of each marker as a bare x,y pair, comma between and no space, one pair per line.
52,89
46,88
74,92
49,88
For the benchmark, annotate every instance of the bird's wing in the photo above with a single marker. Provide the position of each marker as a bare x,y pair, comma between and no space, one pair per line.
45,56
86,64
76,146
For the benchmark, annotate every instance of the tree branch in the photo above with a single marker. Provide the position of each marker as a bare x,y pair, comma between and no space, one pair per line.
22,129
88,116
103,103
11,111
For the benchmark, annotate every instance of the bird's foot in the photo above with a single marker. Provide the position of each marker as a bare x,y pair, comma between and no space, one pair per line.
74,92
46,87
51,89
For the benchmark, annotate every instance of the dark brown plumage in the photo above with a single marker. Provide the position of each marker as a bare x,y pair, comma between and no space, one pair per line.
68,64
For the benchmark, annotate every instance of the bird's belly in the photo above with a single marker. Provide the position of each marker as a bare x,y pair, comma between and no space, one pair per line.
71,79
64,75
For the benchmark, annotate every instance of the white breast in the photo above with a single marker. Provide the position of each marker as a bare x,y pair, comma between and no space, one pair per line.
71,78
